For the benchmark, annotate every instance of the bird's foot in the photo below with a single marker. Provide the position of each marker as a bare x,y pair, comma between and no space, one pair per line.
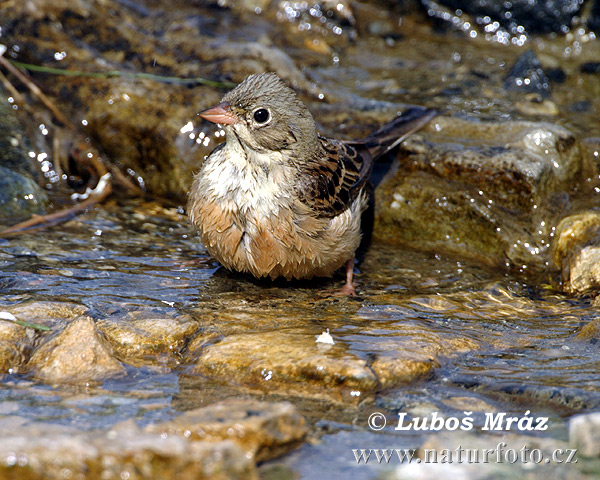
346,291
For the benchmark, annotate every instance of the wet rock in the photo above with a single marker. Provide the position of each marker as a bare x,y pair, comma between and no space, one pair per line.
517,16
395,370
594,20
16,143
576,250
148,335
16,342
590,332
533,104
294,364
39,450
527,76
144,125
495,202
77,354
583,271
20,195
297,365
49,314
468,404
590,67
584,434
263,430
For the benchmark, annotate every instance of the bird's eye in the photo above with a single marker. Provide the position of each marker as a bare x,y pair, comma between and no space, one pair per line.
261,115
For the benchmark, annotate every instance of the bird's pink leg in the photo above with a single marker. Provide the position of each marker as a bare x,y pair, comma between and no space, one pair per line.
348,288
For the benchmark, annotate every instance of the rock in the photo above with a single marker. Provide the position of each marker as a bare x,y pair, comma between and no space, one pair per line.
39,450
494,203
395,370
576,251
590,67
527,76
583,271
17,143
263,430
594,20
20,197
590,332
148,335
50,314
16,343
517,17
75,355
533,104
584,434
292,364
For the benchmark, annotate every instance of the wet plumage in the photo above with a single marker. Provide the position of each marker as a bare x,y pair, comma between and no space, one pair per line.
276,199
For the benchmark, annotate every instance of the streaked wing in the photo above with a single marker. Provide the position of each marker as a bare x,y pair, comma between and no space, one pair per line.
330,184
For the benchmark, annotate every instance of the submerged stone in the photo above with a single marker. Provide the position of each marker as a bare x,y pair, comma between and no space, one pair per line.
292,364
263,430
21,195
527,76
148,335
40,450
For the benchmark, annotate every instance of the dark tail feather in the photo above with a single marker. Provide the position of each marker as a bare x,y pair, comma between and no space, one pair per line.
396,131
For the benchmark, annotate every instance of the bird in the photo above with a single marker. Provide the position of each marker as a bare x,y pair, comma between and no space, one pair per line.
277,199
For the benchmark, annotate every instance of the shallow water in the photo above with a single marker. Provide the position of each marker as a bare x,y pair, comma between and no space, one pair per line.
498,341
517,339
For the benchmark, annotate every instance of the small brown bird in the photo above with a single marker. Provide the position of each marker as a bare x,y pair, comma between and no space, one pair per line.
277,199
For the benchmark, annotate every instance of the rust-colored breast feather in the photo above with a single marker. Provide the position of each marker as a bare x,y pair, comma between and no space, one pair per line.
309,229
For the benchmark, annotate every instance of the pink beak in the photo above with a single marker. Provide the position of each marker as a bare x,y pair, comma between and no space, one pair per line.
220,113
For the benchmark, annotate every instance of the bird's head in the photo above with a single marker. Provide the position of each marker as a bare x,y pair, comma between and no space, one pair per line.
265,115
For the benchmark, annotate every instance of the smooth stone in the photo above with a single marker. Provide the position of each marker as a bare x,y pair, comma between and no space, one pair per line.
264,430
493,202
576,251
48,314
75,355
148,335
288,363
17,342
20,197
39,450
527,76
584,433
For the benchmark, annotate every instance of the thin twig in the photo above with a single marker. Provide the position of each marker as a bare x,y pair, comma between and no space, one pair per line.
102,190
95,161
36,91
11,89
